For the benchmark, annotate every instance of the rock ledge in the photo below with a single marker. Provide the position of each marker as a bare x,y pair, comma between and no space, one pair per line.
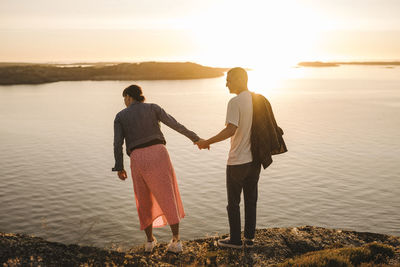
272,246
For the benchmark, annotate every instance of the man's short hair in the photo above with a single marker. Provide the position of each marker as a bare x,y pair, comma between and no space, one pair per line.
239,73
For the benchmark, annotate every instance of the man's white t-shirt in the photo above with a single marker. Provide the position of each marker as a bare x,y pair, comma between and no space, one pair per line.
240,113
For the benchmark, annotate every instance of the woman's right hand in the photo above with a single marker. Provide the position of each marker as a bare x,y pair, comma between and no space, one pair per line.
122,175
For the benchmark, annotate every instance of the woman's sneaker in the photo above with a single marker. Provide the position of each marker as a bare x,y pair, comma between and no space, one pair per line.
227,243
148,247
249,243
175,246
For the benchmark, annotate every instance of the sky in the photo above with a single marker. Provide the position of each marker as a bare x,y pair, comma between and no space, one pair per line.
211,32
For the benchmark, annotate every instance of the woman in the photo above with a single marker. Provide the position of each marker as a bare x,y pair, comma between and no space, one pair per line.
156,191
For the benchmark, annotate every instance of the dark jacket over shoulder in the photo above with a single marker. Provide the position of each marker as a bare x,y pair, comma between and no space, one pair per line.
266,137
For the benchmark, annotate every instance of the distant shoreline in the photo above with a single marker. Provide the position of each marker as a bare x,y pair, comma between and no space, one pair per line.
39,73
31,73
337,64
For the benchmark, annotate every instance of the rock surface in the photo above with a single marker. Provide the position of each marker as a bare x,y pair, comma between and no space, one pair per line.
272,246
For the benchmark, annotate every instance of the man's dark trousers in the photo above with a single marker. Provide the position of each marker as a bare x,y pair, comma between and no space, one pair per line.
238,177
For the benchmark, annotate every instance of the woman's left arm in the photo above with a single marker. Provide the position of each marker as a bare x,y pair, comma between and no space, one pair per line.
171,122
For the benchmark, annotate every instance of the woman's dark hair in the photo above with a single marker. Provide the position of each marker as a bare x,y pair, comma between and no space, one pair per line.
135,92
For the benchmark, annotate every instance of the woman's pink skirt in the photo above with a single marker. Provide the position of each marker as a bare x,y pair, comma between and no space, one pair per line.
156,191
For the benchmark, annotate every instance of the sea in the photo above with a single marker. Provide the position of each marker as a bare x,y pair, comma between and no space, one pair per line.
342,169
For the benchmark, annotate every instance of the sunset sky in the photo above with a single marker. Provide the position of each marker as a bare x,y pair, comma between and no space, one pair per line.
210,32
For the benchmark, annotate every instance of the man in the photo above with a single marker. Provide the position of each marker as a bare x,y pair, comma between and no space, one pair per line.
241,171
255,137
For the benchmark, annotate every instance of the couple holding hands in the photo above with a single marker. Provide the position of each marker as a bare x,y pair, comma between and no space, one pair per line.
254,134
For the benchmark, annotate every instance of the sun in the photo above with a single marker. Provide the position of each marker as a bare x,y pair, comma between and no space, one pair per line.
254,34
268,37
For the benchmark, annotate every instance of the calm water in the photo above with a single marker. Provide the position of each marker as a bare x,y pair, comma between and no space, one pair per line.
342,128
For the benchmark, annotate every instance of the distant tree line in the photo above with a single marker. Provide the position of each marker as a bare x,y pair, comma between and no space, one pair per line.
42,73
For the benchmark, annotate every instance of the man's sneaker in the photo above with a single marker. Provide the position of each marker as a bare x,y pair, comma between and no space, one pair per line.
175,246
227,243
148,247
249,243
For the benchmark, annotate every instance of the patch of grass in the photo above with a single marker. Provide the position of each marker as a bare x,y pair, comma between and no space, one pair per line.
368,255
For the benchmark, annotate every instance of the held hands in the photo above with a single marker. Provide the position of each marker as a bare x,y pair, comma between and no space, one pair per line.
203,144
122,175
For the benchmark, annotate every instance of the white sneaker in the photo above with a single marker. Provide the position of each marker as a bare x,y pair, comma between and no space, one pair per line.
148,247
175,246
